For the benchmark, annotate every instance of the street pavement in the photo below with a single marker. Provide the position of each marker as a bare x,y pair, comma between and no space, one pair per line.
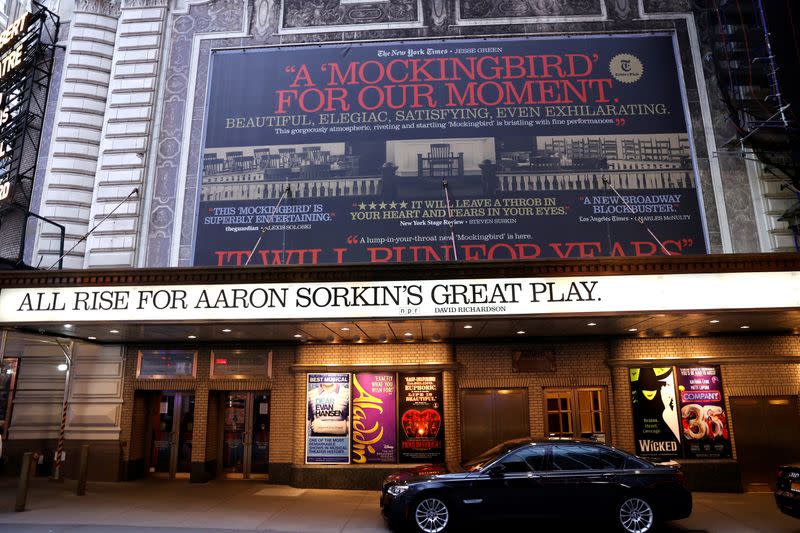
157,506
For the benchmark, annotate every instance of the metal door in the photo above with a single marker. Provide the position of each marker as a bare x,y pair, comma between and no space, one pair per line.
491,416
245,435
766,433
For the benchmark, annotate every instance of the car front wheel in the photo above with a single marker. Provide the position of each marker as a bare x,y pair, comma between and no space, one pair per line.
635,515
431,514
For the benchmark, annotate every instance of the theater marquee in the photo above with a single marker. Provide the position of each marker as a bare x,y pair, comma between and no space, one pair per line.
403,299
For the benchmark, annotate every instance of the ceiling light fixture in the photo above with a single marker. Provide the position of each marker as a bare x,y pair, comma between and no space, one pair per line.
344,329
113,331
715,321
744,327
62,367
633,329
467,327
297,336
521,332
91,338
408,334
67,326
592,324
192,337
226,330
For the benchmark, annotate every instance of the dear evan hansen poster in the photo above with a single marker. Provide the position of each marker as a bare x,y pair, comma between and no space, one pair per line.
496,149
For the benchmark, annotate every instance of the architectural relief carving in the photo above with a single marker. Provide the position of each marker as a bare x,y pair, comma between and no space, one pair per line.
262,13
438,12
321,13
145,3
99,7
478,9
622,8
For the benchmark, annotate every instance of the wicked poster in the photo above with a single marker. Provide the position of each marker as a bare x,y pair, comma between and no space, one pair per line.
421,418
328,418
655,413
547,147
374,437
704,420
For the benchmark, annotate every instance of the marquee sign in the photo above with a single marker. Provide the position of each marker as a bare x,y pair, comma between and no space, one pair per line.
403,299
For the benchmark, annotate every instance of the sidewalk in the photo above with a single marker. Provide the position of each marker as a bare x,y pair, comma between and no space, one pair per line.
159,506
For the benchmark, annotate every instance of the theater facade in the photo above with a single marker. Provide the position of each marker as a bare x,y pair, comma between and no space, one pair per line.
333,242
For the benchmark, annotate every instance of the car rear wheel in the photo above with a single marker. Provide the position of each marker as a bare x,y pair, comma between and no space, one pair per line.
431,515
635,515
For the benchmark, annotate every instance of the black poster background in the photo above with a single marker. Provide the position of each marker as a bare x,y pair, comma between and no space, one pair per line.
528,134
656,423
421,418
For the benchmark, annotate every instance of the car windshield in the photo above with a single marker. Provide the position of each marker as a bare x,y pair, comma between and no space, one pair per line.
490,455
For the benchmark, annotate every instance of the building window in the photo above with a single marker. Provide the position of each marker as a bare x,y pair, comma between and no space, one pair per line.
578,412
166,364
241,364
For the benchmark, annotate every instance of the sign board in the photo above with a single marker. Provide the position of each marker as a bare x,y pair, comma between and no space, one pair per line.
525,148
403,299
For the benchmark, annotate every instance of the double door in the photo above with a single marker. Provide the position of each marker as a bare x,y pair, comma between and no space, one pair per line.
171,427
245,435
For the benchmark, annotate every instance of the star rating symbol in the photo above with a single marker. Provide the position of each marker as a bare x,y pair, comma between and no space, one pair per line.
393,205
382,205
362,206
403,205
372,205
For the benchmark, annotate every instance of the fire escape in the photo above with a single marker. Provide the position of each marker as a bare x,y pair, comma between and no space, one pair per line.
755,53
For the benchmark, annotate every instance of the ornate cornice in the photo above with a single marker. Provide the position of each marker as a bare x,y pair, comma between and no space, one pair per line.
109,8
144,3
615,266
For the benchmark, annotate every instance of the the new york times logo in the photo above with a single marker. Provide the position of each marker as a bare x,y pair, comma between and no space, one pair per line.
626,68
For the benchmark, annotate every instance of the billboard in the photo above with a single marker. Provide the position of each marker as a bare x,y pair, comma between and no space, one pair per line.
655,413
421,424
374,418
328,418
422,151
704,420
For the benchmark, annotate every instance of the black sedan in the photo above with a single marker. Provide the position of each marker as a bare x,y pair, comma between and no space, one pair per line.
528,478
787,491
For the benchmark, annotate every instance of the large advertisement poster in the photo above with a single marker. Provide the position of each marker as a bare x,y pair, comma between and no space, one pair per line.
421,418
328,418
497,149
374,418
655,413
703,417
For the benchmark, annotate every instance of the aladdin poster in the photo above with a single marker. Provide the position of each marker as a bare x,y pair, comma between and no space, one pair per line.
655,413
328,418
374,436
421,418
704,420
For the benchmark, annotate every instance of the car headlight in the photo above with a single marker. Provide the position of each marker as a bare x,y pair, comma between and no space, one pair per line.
397,490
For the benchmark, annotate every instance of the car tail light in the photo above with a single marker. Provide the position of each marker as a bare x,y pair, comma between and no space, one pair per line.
680,476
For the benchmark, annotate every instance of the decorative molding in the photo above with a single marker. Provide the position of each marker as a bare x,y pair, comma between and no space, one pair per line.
377,367
776,262
304,17
126,4
108,8
714,360
512,12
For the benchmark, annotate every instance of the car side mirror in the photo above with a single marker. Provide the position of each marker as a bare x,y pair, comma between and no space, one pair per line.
496,470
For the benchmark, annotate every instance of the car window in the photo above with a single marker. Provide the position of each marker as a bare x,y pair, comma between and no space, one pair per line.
580,457
514,462
534,456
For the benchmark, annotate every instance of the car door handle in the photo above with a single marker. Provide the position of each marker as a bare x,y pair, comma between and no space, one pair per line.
608,475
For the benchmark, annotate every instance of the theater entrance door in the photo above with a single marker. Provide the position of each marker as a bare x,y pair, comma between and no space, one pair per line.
245,435
170,429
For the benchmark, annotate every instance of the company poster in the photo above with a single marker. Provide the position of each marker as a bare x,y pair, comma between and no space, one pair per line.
474,150
328,419
421,420
655,413
704,420
374,438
